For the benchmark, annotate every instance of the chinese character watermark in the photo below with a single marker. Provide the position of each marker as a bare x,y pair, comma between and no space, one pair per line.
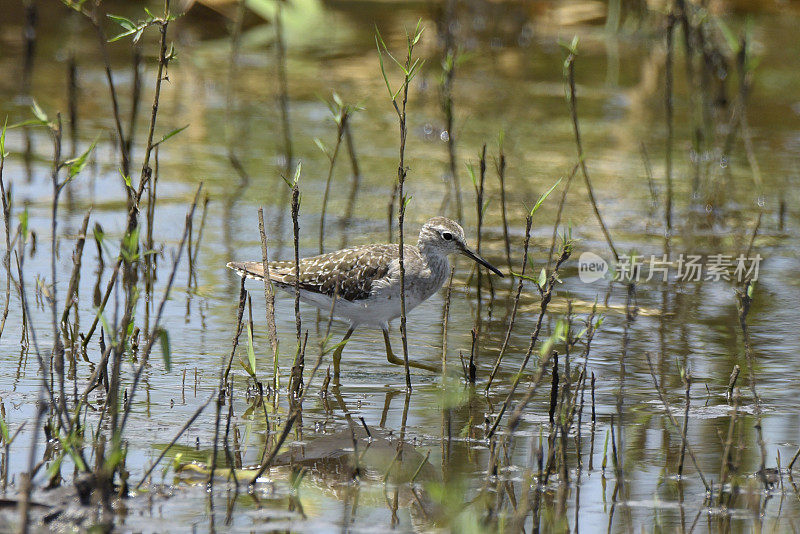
683,268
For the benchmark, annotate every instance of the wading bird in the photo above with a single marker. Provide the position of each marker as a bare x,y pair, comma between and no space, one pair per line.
362,283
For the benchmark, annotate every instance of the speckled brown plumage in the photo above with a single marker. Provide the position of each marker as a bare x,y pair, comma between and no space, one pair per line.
348,273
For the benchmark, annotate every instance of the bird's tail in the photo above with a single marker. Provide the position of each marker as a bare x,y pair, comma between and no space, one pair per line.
248,269
280,272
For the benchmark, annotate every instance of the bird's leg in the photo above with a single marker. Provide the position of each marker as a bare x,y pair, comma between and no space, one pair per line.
337,354
399,361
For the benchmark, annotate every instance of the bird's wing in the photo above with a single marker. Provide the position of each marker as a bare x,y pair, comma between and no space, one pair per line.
347,274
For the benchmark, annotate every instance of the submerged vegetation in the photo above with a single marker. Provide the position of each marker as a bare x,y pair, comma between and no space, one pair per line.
577,393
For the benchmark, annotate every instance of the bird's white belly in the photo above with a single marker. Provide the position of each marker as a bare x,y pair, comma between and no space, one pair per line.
374,311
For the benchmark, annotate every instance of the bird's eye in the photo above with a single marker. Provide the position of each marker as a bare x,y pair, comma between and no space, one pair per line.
447,236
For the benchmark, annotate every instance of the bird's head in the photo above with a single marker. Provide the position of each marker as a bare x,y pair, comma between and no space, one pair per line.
444,236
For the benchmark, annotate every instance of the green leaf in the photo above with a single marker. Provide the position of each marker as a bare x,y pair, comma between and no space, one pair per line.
471,172
99,235
68,444
599,322
174,132
247,369
55,467
560,330
297,172
113,459
77,164
396,93
130,244
378,42
29,122
417,33
328,349
126,23
138,35
544,197
321,146
3,139
251,353
542,278
177,460
39,113
524,277
728,35
126,179
166,351
571,47
130,27
121,35
547,346
75,5
4,429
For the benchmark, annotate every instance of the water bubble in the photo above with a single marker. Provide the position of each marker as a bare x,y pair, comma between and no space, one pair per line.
428,129
709,208
761,202
723,162
444,136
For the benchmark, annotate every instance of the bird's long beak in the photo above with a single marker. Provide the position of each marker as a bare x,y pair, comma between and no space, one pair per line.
468,253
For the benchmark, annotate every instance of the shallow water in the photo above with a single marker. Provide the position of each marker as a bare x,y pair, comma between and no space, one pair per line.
510,81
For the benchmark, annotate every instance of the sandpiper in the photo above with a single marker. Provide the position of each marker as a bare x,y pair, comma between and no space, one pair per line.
362,283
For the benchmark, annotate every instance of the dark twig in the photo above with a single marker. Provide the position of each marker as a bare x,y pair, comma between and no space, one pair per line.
283,86
669,113
7,223
269,297
449,61
520,280
557,222
410,67
743,302
341,116
501,175
688,381
671,418
546,294
569,71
